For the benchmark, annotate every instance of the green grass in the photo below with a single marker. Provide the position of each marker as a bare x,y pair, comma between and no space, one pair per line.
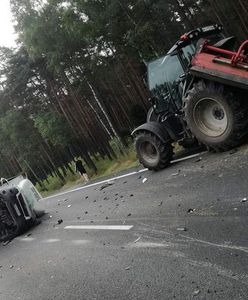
105,167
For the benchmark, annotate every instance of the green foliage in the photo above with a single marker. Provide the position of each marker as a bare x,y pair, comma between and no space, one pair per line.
53,128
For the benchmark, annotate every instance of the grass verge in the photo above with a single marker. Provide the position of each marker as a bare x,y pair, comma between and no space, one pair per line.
105,167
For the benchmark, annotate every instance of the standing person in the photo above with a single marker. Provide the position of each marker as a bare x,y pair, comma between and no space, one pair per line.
81,170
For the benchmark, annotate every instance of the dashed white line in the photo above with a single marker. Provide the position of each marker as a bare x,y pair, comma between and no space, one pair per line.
100,227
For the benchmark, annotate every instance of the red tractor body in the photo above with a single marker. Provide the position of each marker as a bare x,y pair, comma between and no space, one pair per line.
222,65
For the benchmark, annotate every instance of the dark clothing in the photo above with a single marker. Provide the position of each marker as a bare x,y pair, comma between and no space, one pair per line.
79,167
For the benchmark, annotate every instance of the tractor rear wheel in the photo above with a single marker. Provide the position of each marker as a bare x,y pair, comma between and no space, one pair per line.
153,153
216,118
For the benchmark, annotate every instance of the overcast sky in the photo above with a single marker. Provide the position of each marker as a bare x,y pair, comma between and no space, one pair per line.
7,37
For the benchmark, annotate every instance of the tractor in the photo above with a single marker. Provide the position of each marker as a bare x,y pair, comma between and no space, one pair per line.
198,95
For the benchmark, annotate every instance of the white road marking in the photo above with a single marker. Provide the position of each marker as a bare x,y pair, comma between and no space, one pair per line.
98,183
27,239
187,157
100,227
119,177
80,242
51,240
148,245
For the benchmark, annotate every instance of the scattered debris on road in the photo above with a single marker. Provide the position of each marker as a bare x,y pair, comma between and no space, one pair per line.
144,180
86,212
127,268
131,195
244,199
235,208
181,229
190,210
60,221
129,214
5,243
160,204
196,292
134,242
199,159
107,184
11,267
69,205
176,174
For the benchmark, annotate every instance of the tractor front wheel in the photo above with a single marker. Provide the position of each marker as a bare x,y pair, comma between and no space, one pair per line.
153,153
216,117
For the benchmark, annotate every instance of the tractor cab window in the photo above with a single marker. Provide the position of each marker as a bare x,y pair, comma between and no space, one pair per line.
163,76
188,53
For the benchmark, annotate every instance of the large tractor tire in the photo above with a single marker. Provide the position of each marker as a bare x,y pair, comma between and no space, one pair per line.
153,153
217,118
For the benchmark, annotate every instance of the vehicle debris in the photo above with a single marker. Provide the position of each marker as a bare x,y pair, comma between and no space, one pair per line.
69,205
60,221
127,268
107,184
175,174
134,242
196,292
129,214
144,180
160,204
190,210
181,229
5,243
244,199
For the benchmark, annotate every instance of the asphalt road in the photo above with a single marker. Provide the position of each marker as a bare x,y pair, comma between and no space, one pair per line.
185,237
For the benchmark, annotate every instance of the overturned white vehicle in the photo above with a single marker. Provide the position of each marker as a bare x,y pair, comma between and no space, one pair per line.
19,206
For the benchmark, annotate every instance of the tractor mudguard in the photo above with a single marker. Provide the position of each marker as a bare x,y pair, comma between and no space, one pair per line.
159,129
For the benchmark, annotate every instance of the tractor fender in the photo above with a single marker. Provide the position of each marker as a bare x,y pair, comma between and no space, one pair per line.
163,132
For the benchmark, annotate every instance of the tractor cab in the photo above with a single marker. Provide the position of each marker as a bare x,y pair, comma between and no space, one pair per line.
166,74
